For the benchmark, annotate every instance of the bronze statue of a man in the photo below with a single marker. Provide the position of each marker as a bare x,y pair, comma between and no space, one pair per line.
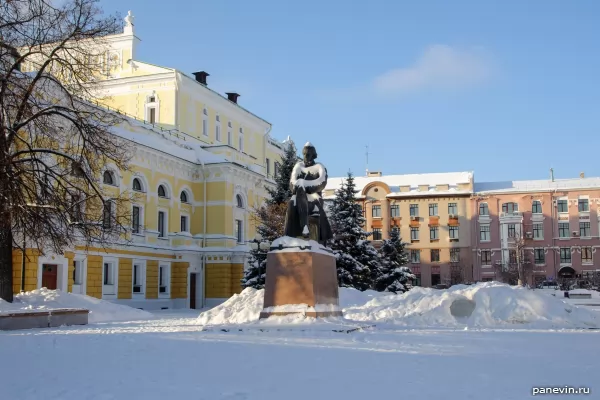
306,183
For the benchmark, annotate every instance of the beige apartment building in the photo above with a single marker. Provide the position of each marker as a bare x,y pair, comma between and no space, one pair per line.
432,212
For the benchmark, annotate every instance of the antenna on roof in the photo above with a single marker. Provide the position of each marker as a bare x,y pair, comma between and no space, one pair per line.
552,174
367,155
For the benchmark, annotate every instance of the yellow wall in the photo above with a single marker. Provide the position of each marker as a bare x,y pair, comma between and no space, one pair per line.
152,279
223,279
125,278
94,276
179,280
31,269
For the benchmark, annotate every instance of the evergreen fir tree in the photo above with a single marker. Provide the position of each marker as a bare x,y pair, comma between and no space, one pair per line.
355,256
392,274
270,218
282,193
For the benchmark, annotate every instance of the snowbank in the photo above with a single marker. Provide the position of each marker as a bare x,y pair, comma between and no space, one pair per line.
100,310
485,305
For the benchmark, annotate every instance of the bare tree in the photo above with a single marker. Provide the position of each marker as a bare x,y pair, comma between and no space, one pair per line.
54,143
519,264
456,274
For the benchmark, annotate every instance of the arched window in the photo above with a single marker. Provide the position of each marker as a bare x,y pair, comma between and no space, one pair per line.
108,178
162,192
183,197
137,185
240,202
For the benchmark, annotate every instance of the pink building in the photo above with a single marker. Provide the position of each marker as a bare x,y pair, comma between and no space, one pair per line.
557,220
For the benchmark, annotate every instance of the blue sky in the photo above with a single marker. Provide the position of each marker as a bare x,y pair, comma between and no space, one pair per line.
505,88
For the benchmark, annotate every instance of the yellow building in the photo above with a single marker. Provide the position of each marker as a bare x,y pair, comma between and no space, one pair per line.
202,162
432,213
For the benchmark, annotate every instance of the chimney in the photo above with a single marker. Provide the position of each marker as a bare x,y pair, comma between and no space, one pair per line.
374,173
552,174
582,175
232,97
201,76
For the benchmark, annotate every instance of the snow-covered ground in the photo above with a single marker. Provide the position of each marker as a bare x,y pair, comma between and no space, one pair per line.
507,349
171,357
100,310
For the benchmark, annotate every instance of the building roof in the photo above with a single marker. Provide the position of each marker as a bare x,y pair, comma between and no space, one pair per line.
452,179
537,185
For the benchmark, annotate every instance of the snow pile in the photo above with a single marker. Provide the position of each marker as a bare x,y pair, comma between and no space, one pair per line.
100,310
238,309
485,305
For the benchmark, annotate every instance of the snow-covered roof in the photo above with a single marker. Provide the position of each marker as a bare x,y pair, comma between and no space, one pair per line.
537,185
165,142
452,179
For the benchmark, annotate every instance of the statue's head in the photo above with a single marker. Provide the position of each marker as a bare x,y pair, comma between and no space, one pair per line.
310,154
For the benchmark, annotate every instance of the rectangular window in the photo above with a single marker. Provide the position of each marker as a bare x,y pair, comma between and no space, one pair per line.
586,255
184,224
585,229
109,276
138,278
565,255
512,230
77,272
107,215
414,210
453,231
229,142
414,234
483,209
163,279
563,206
434,233
486,257
563,229
510,208
512,256
135,220
241,143
452,209
376,209
161,224
152,115
538,231
415,256
454,255
276,169
584,205
376,233
239,231
539,257
268,163
536,207
218,132
205,127
433,210
435,255
484,233
395,210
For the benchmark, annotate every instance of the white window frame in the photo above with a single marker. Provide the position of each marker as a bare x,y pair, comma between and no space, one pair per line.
142,184
218,128
205,122
110,291
80,288
454,232
533,231
489,231
141,223
589,205
562,199
152,104
238,230
167,277
113,213
241,139
142,265
541,207
165,223
486,263
167,191
417,259
187,223
229,134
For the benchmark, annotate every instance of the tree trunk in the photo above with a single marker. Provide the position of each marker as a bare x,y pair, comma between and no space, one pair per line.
6,272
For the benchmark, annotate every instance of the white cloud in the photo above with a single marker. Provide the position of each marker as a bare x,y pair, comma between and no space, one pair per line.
440,66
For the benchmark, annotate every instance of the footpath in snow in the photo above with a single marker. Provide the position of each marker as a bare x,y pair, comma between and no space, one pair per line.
100,310
484,305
